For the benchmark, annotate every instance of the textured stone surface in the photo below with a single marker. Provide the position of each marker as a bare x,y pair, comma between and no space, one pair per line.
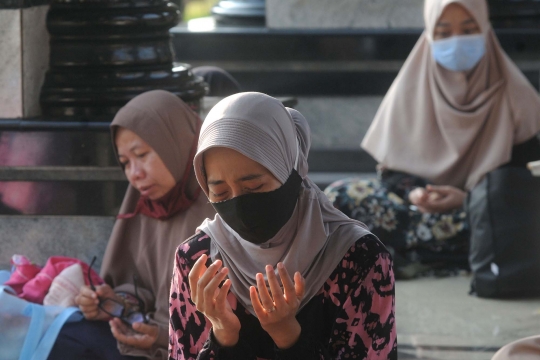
40,237
327,14
338,122
24,41
437,319
11,60
35,55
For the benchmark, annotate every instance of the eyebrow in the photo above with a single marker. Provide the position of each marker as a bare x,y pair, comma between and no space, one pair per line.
464,22
468,21
134,147
244,178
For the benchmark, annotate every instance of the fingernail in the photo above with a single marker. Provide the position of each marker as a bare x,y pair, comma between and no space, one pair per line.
269,268
223,271
280,266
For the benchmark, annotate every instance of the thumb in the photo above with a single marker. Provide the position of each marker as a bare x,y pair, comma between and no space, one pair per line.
101,290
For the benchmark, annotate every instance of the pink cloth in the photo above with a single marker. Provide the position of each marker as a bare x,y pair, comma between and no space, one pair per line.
24,271
33,285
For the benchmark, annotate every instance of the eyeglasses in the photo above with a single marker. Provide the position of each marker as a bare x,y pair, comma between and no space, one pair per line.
117,309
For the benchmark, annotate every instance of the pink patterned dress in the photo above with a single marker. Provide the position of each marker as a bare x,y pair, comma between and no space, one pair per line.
352,316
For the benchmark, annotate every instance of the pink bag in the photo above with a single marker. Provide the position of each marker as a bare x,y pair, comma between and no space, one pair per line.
24,271
36,289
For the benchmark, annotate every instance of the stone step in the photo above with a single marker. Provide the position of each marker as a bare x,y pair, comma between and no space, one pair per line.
248,44
324,62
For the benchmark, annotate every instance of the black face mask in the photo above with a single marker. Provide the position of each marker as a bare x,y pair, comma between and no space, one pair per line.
258,217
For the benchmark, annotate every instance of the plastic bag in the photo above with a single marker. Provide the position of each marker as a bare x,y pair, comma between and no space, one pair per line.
28,331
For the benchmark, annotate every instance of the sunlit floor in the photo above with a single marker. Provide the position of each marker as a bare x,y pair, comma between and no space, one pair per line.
438,320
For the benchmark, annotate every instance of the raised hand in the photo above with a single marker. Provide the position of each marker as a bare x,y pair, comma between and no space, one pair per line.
211,299
277,311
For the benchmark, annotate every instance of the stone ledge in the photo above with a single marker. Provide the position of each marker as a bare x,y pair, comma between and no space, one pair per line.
61,173
40,237
329,14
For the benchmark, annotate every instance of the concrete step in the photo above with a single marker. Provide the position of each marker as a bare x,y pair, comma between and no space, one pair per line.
324,62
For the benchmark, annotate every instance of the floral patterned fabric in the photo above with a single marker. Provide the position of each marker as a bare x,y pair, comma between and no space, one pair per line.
352,317
437,241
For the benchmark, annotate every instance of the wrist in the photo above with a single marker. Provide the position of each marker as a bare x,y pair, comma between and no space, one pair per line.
226,338
286,336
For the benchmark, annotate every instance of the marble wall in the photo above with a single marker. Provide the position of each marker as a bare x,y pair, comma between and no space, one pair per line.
344,14
24,55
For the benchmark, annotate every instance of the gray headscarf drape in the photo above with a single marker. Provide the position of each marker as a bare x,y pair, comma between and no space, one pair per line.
315,238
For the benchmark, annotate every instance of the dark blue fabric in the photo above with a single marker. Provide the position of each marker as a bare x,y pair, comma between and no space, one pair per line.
87,340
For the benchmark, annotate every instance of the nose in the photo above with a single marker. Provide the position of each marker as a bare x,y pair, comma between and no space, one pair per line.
236,191
135,172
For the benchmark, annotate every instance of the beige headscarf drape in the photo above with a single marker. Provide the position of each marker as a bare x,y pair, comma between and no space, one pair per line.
523,349
316,237
453,127
144,246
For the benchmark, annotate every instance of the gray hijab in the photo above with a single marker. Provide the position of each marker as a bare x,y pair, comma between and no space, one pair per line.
315,238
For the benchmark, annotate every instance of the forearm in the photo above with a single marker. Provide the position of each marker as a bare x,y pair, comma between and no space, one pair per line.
212,350
306,348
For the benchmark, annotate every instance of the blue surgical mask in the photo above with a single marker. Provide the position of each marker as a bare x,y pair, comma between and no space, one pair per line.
459,53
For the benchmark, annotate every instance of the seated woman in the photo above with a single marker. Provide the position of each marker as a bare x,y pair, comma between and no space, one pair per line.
458,109
155,137
272,223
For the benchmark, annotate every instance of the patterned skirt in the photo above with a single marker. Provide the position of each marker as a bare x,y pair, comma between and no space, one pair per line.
421,243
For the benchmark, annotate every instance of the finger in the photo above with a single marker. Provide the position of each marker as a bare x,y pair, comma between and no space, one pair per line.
212,289
120,334
150,330
277,293
256,303
86,301
85,291
90,314
205,279
288,286
299,285
88,309
104,290
266,299
221,298
441,189
194,275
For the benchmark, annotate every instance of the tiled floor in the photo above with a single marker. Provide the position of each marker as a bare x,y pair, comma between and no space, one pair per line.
438,320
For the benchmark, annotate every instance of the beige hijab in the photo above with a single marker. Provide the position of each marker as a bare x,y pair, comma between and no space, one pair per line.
144,246
454,127
316,237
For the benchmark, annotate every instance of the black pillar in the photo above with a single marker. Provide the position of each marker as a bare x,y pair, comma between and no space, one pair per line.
105,52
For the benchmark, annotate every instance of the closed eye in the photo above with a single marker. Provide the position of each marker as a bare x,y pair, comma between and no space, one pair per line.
472,30
254,189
